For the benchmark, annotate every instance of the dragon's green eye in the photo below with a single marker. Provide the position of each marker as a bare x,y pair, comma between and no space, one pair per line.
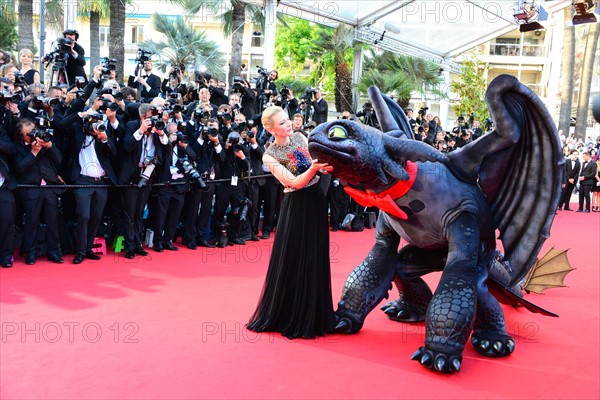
337,132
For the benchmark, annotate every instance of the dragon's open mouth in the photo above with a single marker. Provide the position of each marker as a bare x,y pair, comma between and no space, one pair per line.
327,153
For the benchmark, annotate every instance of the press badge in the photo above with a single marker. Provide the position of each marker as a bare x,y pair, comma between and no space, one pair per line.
234,180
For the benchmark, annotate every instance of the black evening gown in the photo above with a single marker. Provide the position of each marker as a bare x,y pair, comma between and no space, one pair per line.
296,298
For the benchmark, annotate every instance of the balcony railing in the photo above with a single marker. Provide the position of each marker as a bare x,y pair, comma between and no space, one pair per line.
529,50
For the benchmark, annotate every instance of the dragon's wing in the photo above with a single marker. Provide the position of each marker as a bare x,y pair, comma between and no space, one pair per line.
520,169
391,117
548,272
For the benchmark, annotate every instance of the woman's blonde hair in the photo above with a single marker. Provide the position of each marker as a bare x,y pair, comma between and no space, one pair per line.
267,116
25,52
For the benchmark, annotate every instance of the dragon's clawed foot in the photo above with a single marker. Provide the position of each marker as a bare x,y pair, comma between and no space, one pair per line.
492,343
437,360
401,311
347,322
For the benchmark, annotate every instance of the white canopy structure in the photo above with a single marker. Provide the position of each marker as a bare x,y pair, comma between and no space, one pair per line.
435,30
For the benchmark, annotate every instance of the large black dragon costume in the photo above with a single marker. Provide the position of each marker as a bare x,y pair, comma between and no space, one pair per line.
448,208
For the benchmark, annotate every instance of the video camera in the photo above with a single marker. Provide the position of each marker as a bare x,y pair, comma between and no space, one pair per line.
143,56
185,165
62,47
262,71
108,64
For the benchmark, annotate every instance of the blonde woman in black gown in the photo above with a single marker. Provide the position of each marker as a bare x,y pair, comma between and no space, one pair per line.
296,298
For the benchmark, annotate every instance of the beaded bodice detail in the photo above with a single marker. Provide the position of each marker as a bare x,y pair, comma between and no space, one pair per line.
294,157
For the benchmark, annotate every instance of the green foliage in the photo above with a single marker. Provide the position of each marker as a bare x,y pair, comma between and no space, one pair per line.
184,46
399,76
298,85
470,89
294,44
9,39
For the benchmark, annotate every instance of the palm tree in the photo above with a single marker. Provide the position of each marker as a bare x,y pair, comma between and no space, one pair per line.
335,47
586,81
233,23
399,75
568,64
25,24
9,38
97,10
184,46
116,35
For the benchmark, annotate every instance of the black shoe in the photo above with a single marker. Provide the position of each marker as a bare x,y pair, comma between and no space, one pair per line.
30,259
169,246
90,255
6,264
192,246
238,241
158,247
334,229
78,259
140,251
129,254
254,238
56,259
579,210
587,211
568,209
205,243
265,235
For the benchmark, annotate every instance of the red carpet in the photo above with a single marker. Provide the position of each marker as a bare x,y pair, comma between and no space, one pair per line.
171,327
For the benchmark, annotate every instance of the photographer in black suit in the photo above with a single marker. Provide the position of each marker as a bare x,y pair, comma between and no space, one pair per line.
147,83
90,164
37,161
572,167
320,107
8,209
75,60
198,203
586,181
141,159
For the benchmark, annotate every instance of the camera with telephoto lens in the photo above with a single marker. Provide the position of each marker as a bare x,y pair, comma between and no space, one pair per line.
108,105
6,96
224,116
182,135
238,81
40,100
185,165
143,56
207,131
42,130
149,165
94,123
284,92
157,122
309,93
234,141
201,77
19,79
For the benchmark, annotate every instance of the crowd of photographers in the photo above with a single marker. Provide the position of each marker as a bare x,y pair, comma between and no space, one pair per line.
84,158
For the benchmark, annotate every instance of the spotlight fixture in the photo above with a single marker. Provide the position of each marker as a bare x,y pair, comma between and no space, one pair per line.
584,12
527,14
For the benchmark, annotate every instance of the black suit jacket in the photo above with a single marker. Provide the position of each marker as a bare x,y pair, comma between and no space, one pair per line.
7,151
570,172
131,152
207,158
320,111
106,153
74,66
588,171
32,169
152,80
165,172
255,158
